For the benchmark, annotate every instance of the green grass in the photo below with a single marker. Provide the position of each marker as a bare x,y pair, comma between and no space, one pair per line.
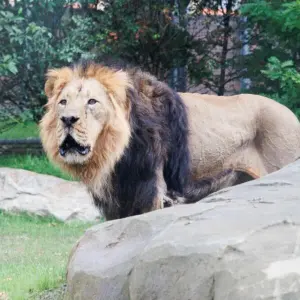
21,131
34,253
39,164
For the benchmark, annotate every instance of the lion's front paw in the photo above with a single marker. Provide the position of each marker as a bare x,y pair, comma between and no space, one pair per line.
167,202
173,198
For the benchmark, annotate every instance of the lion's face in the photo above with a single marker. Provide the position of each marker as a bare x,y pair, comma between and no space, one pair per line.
82,110
86,128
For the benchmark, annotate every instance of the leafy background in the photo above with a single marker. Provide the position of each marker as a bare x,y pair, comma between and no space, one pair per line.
157,36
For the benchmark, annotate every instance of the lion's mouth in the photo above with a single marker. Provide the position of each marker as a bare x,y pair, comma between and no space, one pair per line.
70,145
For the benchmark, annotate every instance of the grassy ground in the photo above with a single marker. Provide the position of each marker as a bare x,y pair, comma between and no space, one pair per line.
33,254
38,164
33,250
21,131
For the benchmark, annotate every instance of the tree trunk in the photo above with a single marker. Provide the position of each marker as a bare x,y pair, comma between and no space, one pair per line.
226,36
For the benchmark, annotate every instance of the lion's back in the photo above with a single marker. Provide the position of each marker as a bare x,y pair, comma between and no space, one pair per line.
219,125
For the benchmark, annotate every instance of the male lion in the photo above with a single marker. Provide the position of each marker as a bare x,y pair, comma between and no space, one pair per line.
131,139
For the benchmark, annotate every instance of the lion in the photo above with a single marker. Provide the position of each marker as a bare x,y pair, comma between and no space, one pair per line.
138,145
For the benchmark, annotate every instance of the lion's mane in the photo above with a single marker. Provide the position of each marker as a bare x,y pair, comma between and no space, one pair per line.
142,153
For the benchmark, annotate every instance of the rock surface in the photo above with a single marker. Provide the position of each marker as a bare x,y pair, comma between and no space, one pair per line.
240,243
45,195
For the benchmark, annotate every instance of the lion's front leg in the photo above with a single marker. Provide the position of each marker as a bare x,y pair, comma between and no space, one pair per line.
151,193
162,200
158,203
165,198
144,196
126,199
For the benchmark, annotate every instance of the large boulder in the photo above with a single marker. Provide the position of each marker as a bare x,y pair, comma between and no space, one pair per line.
240,243
44,195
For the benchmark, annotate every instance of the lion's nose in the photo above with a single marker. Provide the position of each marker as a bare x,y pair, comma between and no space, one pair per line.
69,121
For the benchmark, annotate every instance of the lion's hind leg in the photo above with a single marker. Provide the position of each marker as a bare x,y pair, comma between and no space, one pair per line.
206,186
198,189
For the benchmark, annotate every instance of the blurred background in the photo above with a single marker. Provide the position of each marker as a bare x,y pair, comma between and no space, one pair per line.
221,47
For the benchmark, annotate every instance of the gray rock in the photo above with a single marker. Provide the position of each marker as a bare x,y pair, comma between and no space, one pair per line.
45,195
242,243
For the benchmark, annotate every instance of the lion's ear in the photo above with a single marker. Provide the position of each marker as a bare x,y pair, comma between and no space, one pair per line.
56,80
50,82
121,82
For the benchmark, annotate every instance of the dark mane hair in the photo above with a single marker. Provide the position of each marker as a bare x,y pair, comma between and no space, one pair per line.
160,130
159,139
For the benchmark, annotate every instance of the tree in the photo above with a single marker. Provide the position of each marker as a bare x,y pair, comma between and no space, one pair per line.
274,62
144,33
217,28
34,36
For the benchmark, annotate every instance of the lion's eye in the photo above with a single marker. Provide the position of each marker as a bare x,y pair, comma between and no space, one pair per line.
63,102
92,102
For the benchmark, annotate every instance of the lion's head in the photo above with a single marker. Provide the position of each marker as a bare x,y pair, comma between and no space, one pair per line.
86,127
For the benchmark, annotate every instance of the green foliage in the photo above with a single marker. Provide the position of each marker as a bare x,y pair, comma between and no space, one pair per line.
8,65
275,41
36,35
289,82
144,33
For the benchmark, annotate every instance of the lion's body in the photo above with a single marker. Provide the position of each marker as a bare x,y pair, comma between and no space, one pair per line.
133,141
246,132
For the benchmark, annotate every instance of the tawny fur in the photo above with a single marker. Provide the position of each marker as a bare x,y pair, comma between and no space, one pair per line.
246,132
114,137
249,134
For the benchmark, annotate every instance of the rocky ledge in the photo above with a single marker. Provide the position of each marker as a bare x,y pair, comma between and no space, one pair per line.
240,243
